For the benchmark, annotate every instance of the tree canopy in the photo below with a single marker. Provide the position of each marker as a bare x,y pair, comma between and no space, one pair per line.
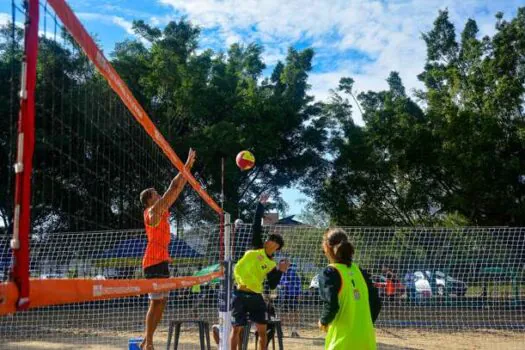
456,149
453,151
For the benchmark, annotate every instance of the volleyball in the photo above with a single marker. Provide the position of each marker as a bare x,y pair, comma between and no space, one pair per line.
245,160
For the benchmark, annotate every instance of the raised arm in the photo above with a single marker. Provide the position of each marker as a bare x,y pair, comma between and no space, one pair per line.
257,241
172,193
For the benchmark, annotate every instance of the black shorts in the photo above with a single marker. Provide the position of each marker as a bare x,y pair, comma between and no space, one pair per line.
248,306
161,270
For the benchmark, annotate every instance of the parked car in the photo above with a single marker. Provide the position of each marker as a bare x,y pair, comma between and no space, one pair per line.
312,296
430,283
447,285
314,283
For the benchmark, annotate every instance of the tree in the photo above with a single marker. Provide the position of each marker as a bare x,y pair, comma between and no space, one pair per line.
218,104
459,151
92,160
310,215
475,100
10,59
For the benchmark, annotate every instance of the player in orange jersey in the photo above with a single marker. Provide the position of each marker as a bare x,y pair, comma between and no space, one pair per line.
156,257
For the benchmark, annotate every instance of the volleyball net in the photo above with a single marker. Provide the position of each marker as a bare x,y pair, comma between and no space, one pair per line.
85,150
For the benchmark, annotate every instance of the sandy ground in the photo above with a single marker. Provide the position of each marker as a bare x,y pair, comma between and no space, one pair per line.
388,339
111,327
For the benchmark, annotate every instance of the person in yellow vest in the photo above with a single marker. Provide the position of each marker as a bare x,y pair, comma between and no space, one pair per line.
351,303
256,266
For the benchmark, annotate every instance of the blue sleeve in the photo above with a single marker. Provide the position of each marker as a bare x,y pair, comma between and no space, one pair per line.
296,280
284,279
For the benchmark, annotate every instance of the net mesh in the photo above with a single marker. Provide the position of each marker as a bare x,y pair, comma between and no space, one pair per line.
92,158
464,278
436,280
444,279
91,161
112,255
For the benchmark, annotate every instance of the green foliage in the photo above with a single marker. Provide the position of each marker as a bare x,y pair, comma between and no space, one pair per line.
311,215
217,103
453,157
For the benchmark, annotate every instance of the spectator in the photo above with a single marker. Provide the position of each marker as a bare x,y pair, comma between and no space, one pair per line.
289,297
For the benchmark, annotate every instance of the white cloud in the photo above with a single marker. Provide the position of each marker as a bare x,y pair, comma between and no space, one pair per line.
108,19
4,18
126,25
161,20
388,32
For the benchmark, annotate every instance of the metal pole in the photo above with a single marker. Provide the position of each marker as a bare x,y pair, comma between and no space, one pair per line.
222,183
225,302
24,162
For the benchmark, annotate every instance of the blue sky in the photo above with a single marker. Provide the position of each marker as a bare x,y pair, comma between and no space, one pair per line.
364,39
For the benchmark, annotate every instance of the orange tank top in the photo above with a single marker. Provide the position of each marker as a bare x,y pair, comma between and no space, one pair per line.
389,287
157,250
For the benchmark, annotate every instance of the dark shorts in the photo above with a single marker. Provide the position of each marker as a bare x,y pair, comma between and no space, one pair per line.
161,270
248,306
290,303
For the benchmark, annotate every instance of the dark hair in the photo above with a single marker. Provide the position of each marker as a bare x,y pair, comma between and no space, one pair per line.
277,238
342,250
145,196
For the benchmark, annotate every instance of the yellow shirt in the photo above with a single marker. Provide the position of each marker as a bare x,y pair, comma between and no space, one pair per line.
252,269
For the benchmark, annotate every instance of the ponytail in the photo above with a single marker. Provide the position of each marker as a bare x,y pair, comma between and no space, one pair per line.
343,253
341,249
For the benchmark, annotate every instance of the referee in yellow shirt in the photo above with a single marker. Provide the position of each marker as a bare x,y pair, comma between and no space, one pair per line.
250,273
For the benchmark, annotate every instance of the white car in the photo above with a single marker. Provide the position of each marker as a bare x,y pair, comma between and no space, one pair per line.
314,283
447,285
420,283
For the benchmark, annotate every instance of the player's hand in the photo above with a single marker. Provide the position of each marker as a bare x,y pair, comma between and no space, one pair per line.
284,265
323,327
191,158
263,199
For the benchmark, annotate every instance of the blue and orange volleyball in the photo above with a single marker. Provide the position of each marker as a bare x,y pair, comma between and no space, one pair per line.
245,160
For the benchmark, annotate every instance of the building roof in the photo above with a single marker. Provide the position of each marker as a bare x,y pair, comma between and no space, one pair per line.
289,220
